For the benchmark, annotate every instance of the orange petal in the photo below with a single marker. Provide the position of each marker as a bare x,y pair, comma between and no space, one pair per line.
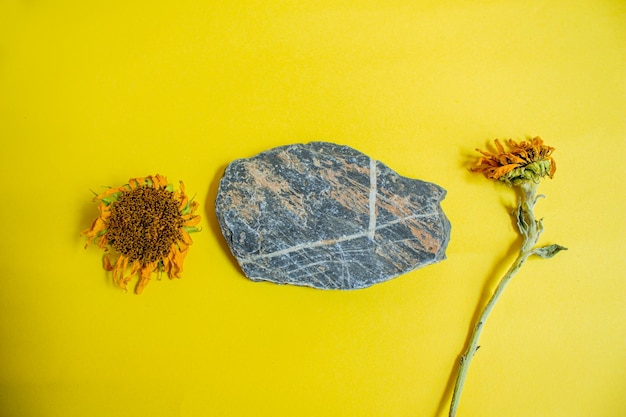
133,270
503,170
186,238
136,182
167,265
160,180
499,146
117,268
97,226
191,221
102,241
176,261
485,153
552,167
106,263
144,277
183,201
105,211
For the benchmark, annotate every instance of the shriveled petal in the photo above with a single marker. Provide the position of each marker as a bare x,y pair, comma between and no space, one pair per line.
144,276
133,270
118,269
135,183
186,237
103,241
552,167
503,170
183,201
106,263
499,146
176,260
97,226
191,220
160,180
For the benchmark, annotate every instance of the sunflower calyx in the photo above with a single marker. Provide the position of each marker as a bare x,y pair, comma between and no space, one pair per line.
532,172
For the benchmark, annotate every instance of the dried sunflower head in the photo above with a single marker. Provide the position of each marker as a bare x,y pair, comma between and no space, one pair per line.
144,227
523,162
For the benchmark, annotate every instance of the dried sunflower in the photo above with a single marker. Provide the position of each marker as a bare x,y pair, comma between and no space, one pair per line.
523,162
144,227
521,167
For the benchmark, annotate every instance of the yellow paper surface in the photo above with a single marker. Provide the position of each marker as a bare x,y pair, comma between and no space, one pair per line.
94,93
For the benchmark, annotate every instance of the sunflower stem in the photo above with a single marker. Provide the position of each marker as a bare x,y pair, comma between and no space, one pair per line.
530,229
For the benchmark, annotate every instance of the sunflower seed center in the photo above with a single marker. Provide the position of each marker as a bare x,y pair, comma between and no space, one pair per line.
144,224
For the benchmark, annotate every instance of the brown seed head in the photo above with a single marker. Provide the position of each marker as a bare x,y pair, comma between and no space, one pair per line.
144,223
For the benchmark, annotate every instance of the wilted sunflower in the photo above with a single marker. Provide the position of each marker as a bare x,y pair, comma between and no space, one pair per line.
144,226
523,162
522,168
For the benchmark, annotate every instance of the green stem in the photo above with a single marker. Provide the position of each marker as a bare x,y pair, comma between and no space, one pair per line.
478,328
530,230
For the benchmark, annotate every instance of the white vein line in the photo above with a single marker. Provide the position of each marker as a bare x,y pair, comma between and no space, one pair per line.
372,226
328,242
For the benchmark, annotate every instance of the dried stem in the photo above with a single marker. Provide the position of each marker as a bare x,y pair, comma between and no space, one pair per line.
530,230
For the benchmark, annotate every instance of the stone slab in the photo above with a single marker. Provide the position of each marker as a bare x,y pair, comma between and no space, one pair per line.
328,216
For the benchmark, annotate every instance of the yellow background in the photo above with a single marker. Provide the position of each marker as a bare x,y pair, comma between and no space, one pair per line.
94,93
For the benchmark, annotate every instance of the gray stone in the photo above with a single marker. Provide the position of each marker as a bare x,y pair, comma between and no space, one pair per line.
327,216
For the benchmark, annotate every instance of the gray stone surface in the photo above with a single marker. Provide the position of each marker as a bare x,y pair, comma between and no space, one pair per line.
327,216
